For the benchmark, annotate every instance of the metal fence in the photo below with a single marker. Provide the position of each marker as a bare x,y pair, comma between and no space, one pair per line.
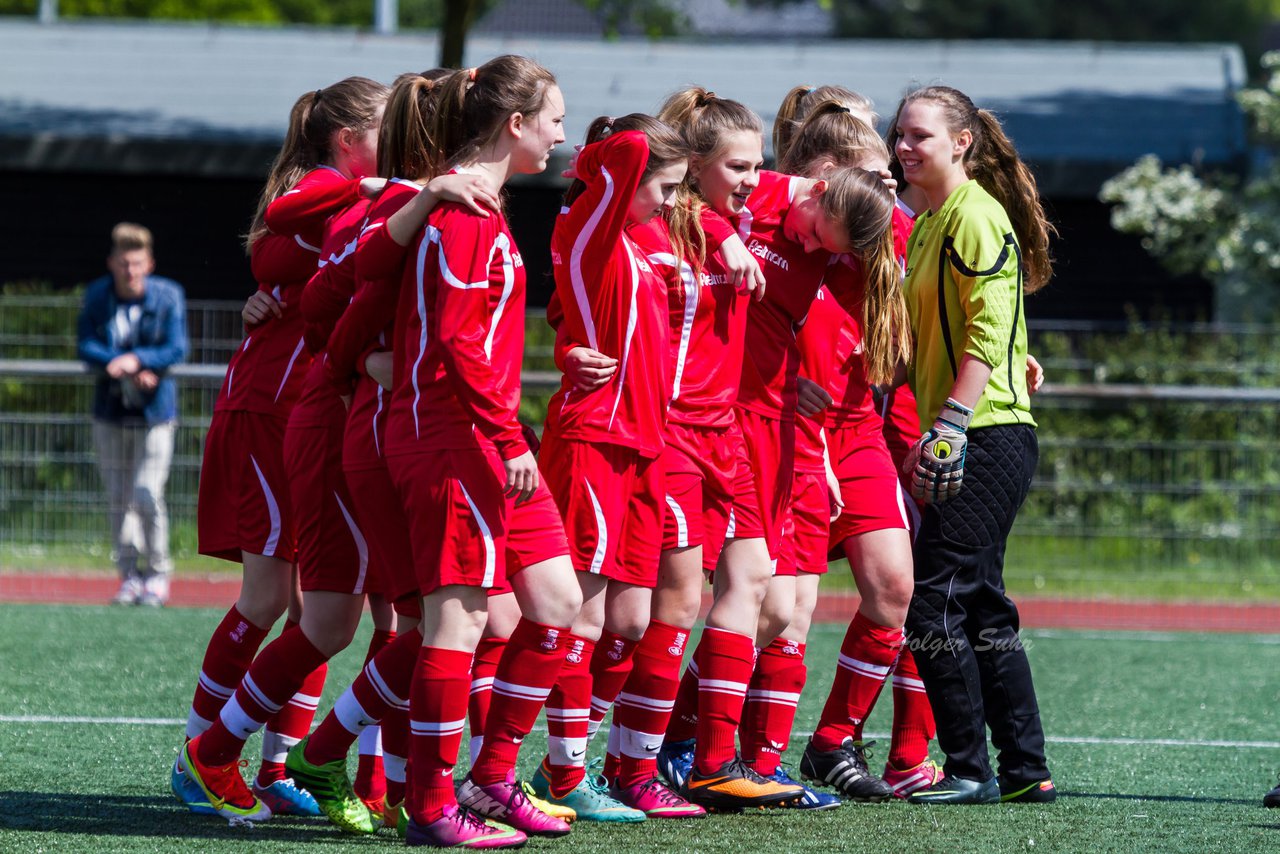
1143,491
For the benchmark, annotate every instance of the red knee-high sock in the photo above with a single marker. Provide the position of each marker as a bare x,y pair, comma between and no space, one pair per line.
866,657
770,709
724,671
644,706
484,669
277,673
568,709
526,673
913,725
684,717
438,712
369,783
226,660
291,724
382,686
395,753
610,666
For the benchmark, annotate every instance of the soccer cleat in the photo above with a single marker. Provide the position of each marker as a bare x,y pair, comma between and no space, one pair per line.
655,799
129,593
285,798
506,802
913,779
330,786
376,807
187,792
958,790
845,768
224,788
675,761
395,817
1039,792
560,811
1272,798
735,786
590,799
810,800
460,828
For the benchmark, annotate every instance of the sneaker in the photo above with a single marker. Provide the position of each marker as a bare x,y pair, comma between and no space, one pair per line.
655,799
912,779
330,786
155,591
1039,792
506,802
958,790
845,768
285,798
376,807
675,761
396,818
1272,798
560,811
187,792
810,800
590,799
460,828
223,787
129,592
735,786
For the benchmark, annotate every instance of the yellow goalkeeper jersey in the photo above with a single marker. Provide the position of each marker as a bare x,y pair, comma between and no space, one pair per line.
964,294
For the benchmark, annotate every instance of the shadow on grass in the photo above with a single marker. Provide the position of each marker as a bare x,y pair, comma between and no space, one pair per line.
1173,799
147,816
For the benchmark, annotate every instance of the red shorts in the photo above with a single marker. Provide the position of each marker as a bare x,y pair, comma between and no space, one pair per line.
612,503
381,516
462,529
762,486
333,554
699,465
244,502
807,526
869,485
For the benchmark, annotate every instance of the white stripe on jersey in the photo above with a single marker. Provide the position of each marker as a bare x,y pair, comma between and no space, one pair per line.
631,328
575,260
297,238
430,235
501,244
682,524
602,531
362,546
490,555
273,511
288,369
691,294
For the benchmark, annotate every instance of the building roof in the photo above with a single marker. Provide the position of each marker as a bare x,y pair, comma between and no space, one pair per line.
203,99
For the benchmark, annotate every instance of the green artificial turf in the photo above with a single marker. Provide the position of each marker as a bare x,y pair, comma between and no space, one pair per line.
1158,742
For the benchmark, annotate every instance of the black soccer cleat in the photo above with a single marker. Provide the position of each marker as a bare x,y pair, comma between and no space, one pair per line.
958,791
846,769
1272,798
1039,792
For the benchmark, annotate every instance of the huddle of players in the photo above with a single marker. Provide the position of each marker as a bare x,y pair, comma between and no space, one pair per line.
721,330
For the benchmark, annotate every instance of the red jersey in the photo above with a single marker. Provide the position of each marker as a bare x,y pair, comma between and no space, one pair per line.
613,301
368,322
708,323
459,337
323,300
792,278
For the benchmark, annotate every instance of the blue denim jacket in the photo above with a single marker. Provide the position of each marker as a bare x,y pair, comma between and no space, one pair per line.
161,343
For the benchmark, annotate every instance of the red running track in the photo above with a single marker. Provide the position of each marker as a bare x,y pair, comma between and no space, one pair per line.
220,591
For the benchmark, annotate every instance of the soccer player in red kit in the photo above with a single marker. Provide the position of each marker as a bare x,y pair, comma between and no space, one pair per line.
600,448
245,508
464,471
710,276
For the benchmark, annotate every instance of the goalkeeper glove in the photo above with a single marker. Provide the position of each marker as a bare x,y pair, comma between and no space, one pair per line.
936,463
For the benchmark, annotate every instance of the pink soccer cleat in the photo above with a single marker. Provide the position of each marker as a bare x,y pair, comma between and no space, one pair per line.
506,802
461,828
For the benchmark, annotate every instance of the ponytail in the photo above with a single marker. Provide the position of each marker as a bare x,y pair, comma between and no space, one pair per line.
860,202
993,162
831,131
474,104
800,102
405,147
351,103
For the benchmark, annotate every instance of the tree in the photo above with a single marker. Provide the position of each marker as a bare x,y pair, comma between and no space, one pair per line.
1217,226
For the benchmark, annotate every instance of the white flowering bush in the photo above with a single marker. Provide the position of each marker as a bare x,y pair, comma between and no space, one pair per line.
1211,225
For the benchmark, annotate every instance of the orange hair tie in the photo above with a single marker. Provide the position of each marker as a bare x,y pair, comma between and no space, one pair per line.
471,74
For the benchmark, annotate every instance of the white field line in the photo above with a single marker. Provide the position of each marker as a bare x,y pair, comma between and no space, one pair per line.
1059,739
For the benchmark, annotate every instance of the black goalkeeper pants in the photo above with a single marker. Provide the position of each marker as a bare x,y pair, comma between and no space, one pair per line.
963,628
